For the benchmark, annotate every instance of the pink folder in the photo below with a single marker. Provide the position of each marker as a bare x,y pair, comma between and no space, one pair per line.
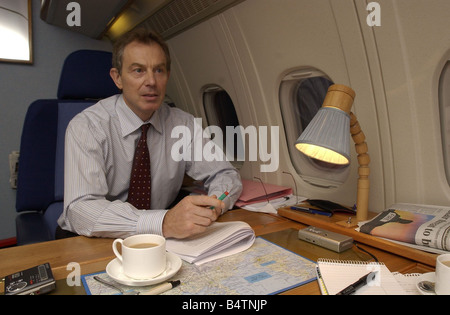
253,192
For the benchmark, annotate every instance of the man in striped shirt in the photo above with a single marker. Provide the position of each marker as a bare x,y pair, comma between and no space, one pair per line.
100,146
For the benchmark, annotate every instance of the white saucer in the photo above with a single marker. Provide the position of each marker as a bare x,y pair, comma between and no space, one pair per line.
429,276
115,271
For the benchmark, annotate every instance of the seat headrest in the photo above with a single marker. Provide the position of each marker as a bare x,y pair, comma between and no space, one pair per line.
85,75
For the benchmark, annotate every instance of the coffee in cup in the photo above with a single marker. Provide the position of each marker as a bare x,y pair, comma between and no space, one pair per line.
144,245
143,256
443,275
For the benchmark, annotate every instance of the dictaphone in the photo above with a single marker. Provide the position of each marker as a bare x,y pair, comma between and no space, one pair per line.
330,240
34,281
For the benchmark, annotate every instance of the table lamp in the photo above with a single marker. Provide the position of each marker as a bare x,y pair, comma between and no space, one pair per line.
327,138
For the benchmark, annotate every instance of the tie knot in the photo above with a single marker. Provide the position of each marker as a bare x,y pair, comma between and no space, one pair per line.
145,128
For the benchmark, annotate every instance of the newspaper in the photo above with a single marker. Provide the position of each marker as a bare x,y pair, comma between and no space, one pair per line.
423,225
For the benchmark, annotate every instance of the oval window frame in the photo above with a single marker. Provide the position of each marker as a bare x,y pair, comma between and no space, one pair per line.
209,93
312,171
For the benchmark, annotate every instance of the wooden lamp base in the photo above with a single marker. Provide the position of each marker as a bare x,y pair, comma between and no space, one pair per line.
342,97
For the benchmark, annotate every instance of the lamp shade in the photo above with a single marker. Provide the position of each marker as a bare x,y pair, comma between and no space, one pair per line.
327,137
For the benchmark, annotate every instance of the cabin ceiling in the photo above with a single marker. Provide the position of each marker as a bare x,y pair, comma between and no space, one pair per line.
167,17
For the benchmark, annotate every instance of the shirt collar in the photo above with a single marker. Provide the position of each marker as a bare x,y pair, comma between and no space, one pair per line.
130,122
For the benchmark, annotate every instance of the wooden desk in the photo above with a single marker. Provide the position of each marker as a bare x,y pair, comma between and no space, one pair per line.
94,254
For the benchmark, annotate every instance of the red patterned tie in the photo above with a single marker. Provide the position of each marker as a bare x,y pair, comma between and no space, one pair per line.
139,193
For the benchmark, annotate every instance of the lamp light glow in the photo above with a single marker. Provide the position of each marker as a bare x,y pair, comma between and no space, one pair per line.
322,154
327,137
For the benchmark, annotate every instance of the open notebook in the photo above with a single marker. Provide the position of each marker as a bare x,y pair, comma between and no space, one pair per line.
335,275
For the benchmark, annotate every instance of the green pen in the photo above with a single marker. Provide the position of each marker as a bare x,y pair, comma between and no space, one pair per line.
221,198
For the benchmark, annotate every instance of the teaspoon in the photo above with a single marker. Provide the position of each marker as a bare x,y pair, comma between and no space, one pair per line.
426,286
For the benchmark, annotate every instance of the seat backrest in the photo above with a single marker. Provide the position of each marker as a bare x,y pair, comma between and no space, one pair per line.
84,80
85,75
41,165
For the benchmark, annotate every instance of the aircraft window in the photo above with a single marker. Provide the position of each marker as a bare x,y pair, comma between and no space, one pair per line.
301,95
220,112
444,107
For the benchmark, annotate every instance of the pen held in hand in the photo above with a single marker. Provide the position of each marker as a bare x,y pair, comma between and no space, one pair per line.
221,198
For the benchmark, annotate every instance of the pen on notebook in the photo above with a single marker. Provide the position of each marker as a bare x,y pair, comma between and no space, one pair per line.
312,211
162,288
352,288
221,198
322,286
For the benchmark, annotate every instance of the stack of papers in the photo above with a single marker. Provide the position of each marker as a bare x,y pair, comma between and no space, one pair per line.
221,239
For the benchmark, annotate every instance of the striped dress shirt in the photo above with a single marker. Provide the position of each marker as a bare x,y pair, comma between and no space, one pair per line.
99,150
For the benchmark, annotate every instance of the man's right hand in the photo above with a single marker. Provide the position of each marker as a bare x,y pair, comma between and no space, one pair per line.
191,216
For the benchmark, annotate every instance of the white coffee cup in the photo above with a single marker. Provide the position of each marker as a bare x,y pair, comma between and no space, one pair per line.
443,275
143,256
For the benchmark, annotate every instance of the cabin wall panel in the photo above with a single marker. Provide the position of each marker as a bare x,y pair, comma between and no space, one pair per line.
413,45
394,69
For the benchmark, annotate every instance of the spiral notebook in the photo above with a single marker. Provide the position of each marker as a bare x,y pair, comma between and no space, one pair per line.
335,275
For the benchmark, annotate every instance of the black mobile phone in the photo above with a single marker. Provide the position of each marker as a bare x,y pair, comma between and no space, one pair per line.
34,281
330,206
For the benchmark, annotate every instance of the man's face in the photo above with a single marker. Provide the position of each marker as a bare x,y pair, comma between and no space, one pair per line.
143,78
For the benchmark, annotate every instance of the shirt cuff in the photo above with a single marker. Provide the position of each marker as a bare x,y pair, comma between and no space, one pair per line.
150,222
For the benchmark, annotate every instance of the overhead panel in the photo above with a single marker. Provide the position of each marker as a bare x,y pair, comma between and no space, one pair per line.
179,15
95,16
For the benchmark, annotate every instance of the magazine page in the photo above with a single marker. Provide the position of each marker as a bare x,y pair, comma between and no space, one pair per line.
423,225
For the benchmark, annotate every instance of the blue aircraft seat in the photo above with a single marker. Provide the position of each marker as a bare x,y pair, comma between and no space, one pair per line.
40,188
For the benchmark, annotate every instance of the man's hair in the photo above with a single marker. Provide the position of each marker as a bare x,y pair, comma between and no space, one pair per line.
140,35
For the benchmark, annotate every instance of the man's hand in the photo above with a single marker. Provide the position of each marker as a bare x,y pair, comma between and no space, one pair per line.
191,216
